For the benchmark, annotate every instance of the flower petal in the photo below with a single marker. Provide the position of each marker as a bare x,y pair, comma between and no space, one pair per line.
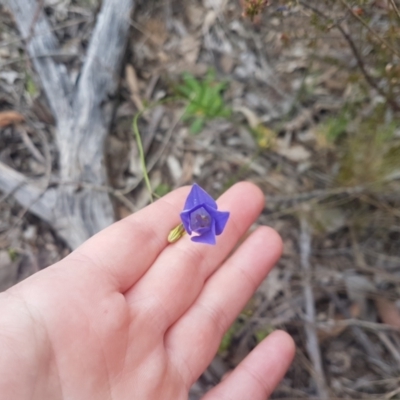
185,218
207,237
220,218
199,196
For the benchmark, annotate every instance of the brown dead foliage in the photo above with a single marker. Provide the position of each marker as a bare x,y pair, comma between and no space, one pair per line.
10,118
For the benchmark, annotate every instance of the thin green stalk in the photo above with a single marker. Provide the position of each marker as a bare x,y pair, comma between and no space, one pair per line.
141,153
140,145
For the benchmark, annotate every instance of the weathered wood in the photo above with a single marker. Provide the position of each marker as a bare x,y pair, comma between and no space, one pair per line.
40,40
83,116
40,201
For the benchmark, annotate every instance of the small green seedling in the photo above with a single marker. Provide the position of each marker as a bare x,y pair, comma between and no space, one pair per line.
161,190
205,100
31,86
12,253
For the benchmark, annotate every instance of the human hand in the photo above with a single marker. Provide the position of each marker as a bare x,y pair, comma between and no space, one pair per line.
127,316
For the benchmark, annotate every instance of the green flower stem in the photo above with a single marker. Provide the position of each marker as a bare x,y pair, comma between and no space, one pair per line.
138,138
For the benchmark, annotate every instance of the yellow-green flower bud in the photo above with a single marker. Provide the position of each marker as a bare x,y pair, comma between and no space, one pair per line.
176,233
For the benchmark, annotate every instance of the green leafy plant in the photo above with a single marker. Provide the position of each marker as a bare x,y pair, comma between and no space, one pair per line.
227,339
333,129
205,100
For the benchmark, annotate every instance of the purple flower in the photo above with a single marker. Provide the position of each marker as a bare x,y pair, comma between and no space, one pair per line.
201,216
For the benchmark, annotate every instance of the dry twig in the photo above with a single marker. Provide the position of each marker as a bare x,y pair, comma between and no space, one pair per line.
309,327
360,62
395,8
370,30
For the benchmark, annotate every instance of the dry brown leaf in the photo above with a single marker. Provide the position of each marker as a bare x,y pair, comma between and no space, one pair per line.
157,32
388,312
329,333
187,169
10,118
251,117
333,331
190,49
174,167
272,285
133,85
295,153
123,212
195,14
383,4
227,63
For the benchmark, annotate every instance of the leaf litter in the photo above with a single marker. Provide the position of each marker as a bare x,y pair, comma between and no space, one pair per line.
299,109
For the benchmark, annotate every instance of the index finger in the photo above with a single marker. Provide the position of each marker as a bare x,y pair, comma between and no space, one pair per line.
124,251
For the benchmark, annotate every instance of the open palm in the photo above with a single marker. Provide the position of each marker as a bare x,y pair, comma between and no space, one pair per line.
127,316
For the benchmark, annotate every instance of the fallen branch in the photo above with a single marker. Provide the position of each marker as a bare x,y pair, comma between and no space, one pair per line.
82,115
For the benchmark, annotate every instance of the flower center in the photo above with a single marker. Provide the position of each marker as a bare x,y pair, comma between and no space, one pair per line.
200,219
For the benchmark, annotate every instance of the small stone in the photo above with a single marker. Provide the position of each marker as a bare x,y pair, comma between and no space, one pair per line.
30,233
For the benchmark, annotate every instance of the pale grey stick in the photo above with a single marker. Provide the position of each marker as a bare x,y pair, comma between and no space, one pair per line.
313,348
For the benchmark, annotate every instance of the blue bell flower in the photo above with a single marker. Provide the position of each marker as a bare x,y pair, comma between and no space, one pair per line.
201,216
